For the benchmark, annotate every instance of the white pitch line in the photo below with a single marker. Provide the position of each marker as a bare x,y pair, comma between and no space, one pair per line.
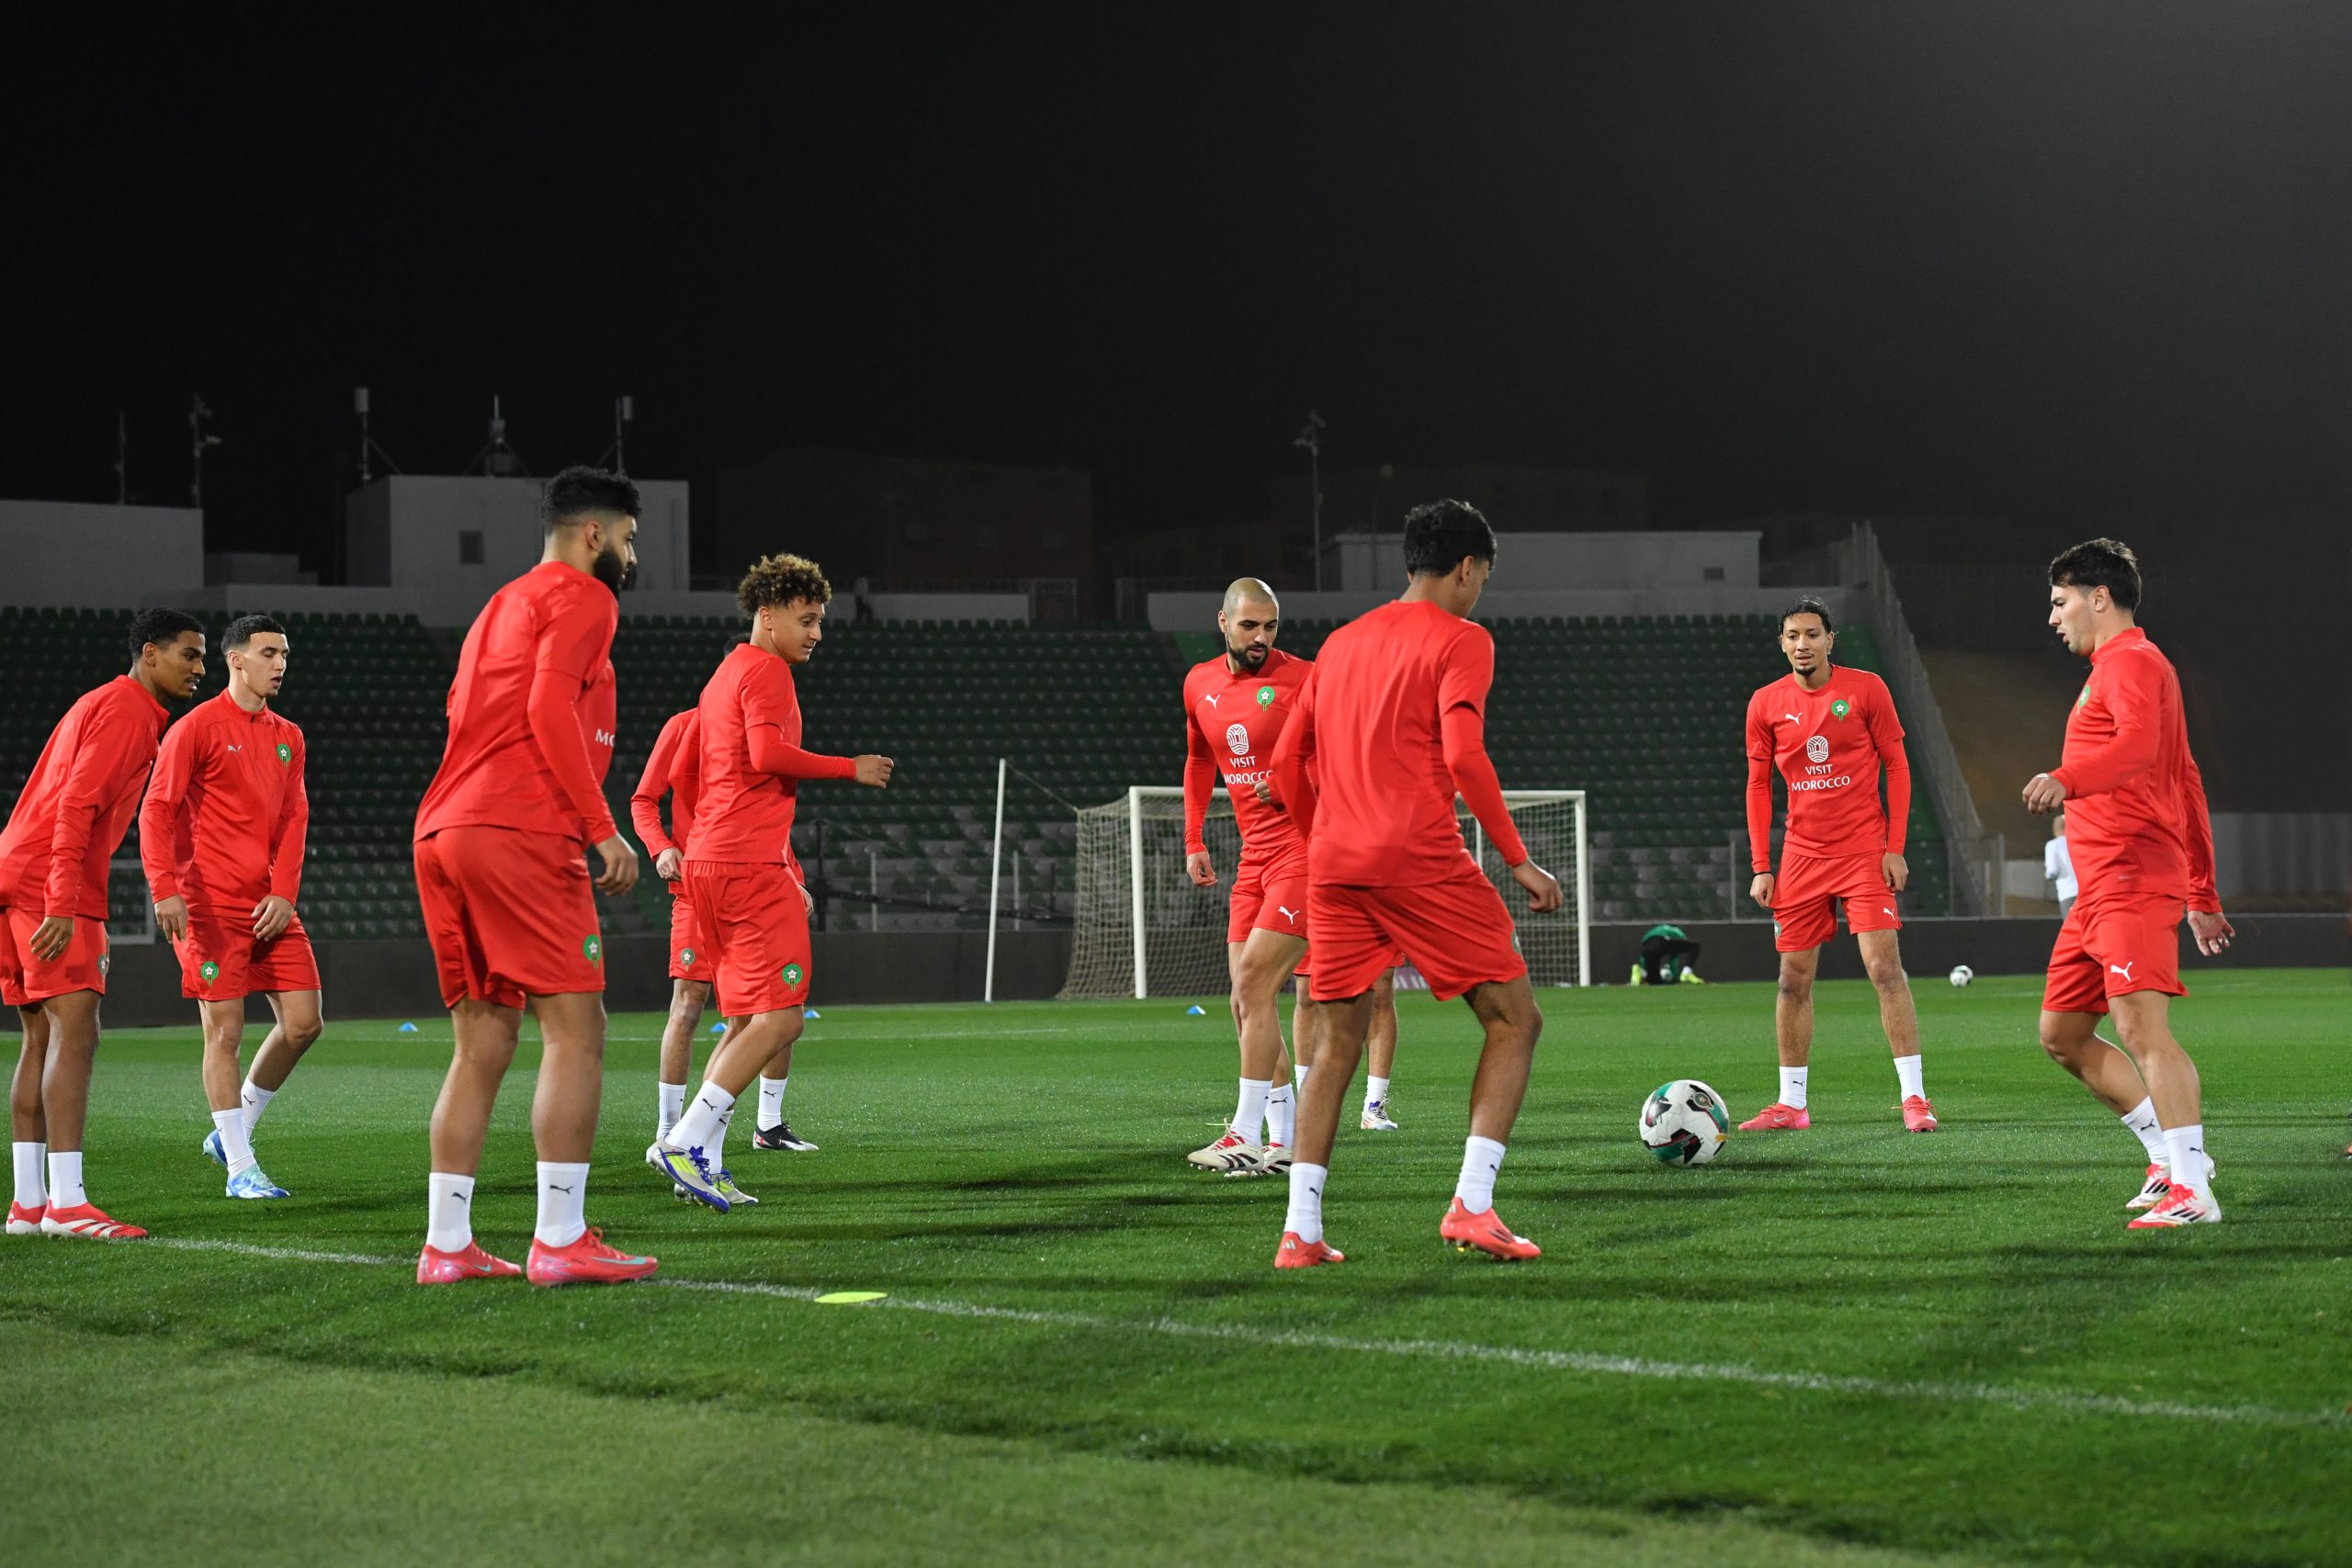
1587,1361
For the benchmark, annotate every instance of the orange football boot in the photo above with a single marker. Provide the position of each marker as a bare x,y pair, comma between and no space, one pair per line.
587,1261
1486,1232
1777,1118
1296,1254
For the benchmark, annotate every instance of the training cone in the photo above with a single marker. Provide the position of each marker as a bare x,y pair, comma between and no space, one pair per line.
408,1028
718,1027
1196,1011
812,1012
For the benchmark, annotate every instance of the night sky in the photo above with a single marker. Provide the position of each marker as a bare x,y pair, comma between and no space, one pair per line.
2032,261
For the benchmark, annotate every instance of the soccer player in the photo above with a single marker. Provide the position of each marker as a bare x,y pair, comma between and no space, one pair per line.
675,769
1832,732
222,835
506,891
2143,853
68,821
1393,722
1380,1052
747,887
1234,707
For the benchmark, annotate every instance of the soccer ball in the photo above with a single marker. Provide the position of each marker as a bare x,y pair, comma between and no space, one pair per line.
1961,974
1684,1123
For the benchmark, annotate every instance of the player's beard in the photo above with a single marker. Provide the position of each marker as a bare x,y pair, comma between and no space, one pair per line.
1250,658
613,571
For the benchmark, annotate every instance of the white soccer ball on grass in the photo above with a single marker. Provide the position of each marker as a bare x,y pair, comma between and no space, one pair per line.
1684,1123
1961,974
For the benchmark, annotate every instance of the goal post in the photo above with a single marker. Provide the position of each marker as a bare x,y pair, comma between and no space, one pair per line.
1142,929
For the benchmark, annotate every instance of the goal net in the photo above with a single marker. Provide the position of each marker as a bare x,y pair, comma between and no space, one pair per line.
1142,930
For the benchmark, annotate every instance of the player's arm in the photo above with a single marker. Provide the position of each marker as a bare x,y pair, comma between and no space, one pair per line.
1462,685
768,703
2133,695
645,802
799,879
111,754
159,827
571,647
1894,763
288,844
1200,783
2206,922
1290,767
1759,804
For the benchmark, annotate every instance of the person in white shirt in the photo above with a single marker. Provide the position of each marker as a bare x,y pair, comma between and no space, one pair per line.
2058,866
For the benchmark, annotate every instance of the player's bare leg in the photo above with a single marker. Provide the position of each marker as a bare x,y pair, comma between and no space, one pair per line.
749,1045
1899,1016
2143,1025
1512,1021
484,1034
1258,968
72,1048
228,1144
27,1128
688,999
1792,1036
1381,1043
300,1020
563,1127
2072,1040
771,1130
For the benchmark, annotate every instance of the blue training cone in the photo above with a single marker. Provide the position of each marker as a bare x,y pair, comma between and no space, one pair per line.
1196,1011
811,1012
408,1028
720,1028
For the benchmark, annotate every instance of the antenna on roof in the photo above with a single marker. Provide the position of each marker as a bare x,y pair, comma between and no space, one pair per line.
368,442
496,459
623,413
198,441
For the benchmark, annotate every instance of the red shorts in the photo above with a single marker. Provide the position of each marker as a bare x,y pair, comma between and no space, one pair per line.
757,930
219,959
1456,932
25,979
689,952
1806,893
510,915
2118,945
1268,894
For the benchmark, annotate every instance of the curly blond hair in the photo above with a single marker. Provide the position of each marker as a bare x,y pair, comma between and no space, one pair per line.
780,579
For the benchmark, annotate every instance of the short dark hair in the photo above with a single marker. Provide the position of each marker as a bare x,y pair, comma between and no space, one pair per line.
2100,563
1439,533
244,629
780,579
161,627
579,491
1808,607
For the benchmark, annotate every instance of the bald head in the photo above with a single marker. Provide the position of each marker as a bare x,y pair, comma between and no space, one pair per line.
1250,590
1249,619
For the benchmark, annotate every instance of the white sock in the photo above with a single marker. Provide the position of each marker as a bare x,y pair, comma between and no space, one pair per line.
563,1204
1306,1218
254,1099
32,1187
770,1100
1482,1161
449,1212
65,1180
1793,1086
717,1153
234,1143
2189,1165
695,1129
1913,1073
1281,1116
674,1101
1298,1074
2142,1120
1250,1109
1375,1091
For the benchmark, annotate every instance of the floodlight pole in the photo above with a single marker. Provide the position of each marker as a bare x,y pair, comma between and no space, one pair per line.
1312,439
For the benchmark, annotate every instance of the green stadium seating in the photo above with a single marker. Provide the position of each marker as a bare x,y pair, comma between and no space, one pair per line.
1644,713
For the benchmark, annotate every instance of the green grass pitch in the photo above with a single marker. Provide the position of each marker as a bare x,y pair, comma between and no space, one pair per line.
1848,1345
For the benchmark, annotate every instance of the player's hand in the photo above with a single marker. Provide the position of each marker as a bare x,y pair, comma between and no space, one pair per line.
1265,792
271,917
2213,932
620,865
2042,794
1761,890
53,937
807,901
171,917
667,863
1198,867
1543,894
874,771
1895,869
